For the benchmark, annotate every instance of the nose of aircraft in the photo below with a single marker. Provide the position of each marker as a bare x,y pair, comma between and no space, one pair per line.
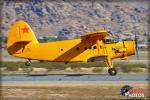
131,47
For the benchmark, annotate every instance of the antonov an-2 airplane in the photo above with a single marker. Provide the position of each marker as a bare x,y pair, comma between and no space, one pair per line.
23,43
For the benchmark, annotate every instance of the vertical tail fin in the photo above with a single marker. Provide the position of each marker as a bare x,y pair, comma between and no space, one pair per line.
20,35
20,32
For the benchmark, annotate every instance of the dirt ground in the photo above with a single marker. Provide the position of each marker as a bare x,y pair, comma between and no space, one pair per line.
65,92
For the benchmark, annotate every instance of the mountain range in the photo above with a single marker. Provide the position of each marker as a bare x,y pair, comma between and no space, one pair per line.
74,18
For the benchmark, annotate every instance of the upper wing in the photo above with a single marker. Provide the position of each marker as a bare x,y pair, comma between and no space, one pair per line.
98,35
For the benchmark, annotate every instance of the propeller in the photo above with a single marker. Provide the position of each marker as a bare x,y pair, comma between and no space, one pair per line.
136,46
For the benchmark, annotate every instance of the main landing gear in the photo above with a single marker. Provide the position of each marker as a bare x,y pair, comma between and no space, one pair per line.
112,71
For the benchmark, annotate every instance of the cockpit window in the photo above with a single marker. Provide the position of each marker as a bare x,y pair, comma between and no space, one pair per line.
110,38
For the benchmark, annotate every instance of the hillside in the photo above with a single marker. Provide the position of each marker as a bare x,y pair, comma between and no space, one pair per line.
71,18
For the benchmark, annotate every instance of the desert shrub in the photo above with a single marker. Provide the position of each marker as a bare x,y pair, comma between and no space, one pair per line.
97,70
87,64
130,65
132,69
11,64
60,65
14,68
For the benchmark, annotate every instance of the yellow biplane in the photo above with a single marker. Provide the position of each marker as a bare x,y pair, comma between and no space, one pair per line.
23,43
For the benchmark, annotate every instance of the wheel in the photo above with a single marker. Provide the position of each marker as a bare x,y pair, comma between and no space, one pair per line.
27,63
125,89
112,71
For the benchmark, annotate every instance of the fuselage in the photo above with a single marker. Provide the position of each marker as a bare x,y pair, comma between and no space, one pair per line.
75,50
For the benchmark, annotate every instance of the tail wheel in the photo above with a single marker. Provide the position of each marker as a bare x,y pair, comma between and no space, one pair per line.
27,63
112,71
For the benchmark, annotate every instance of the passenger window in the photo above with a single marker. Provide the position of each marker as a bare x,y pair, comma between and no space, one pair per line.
85,48
100,46
94,47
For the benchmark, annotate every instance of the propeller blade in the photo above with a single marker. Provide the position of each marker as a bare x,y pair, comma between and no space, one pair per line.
137,53
136,46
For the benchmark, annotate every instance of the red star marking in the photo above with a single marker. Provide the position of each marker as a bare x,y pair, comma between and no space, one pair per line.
25,29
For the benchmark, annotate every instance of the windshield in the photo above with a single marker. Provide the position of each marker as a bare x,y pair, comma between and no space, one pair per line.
110,38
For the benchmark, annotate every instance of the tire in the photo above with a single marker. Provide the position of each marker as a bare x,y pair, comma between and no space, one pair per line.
112,71
27,63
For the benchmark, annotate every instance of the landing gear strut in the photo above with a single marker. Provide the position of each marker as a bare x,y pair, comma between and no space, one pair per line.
112,71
